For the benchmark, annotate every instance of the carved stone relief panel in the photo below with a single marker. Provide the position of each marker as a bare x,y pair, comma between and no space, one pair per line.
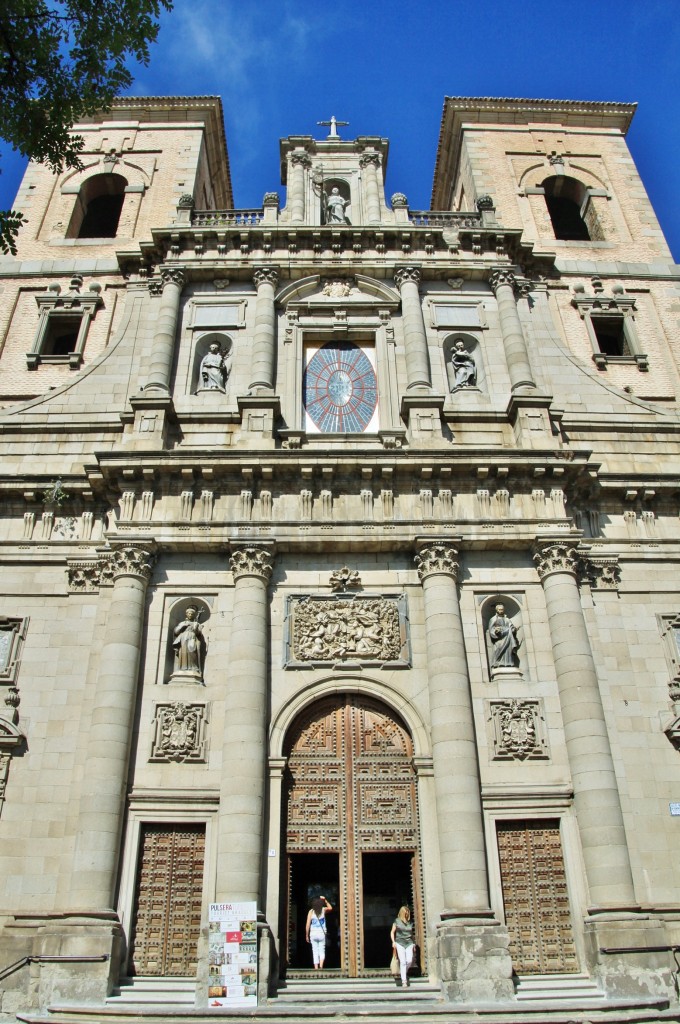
179,732
346,629
517,730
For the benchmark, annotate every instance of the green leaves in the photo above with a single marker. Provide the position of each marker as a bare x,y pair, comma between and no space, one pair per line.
60,60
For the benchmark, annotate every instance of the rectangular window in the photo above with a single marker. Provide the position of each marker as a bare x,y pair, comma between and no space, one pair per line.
610,335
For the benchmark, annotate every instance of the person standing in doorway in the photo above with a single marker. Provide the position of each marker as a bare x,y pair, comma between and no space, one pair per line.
316,930
403,943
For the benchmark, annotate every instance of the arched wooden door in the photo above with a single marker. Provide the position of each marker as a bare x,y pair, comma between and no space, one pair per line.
351,830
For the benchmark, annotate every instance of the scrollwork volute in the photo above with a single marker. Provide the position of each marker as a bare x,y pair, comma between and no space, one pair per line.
173,275
404,275
266,275
437,560
131,560
252,561
556,557
500,276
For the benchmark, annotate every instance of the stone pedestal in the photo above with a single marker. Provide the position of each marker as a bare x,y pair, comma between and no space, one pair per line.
636,974
474,962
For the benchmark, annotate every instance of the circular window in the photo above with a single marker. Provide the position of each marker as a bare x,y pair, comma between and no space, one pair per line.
340,389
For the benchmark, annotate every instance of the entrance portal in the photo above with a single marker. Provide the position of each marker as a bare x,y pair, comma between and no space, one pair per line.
351,830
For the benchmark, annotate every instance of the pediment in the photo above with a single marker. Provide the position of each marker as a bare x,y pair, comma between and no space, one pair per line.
345,289
10,735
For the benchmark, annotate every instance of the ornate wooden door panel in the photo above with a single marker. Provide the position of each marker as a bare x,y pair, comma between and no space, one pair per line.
168,901
536,898
351,790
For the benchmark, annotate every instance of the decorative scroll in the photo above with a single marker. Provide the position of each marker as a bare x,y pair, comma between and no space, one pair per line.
346,629
518,730
179,732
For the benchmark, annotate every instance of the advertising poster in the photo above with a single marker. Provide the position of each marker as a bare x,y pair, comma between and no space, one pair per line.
232,955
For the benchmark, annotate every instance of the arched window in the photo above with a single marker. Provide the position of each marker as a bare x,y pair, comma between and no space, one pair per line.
98,207
565,197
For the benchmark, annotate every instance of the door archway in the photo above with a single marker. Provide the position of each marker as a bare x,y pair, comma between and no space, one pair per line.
350,830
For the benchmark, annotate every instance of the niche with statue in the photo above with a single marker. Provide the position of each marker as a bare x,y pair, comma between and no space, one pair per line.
186,645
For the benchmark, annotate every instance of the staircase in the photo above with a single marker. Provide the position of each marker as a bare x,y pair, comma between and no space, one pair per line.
153,992
328,994
551,988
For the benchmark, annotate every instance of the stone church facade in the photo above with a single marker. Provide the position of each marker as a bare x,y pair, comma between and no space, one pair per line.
340,549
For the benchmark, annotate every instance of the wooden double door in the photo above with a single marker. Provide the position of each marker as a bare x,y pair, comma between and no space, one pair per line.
351,831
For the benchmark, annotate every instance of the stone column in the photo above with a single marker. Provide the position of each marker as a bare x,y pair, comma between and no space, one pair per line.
454,748
299,163
369,163
502,282
163,347
415,339
242,793
102,801
264,340
596,795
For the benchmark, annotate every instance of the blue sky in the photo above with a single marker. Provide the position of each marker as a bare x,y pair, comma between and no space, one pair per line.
386,65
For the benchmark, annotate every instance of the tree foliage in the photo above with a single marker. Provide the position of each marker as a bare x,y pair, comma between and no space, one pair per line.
61,60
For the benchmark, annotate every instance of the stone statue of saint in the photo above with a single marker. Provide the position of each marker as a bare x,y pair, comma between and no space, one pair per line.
464,367
215,368
503,636
188,643
335,207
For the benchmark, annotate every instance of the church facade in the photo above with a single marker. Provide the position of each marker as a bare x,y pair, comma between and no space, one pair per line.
340,549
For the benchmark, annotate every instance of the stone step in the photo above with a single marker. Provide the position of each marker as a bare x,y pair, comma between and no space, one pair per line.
154,991
365,990
558,987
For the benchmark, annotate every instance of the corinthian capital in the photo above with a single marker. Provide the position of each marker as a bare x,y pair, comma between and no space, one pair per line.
252,561
555,556
173,275
130,560
266,275
500,276
370,158
404,274
303,159
437,560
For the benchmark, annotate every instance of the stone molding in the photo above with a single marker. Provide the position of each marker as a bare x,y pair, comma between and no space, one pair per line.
437,560
252,561
555,556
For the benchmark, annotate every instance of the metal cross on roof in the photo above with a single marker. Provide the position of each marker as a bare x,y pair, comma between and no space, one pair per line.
333,125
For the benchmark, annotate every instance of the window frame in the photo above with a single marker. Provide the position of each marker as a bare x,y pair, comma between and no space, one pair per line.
592,307
54,306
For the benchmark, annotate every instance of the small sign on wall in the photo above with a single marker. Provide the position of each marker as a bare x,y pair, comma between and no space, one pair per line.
675,810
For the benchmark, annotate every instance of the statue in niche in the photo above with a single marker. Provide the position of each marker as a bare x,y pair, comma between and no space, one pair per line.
502,633
335,207
464,367
188,643
214,370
